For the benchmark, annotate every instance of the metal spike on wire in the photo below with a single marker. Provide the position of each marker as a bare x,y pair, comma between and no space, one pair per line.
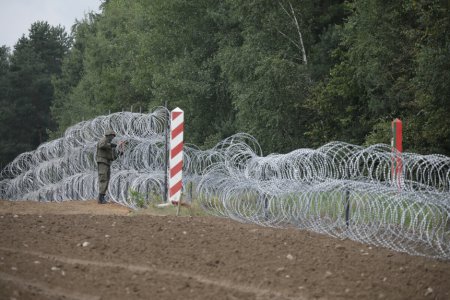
339,189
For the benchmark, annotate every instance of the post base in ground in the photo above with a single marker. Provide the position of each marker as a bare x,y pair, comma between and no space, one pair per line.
174,203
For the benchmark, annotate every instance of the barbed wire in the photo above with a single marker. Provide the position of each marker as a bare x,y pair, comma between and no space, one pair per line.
340,189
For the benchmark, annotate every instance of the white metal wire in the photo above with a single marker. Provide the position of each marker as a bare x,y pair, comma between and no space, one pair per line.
339,189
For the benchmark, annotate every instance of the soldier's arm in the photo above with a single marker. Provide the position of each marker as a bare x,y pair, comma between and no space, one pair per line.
103,144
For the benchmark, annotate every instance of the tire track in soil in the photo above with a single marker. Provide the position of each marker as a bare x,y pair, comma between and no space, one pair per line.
259,293
45,289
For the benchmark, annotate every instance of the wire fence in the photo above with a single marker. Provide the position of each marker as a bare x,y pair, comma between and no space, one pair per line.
339,189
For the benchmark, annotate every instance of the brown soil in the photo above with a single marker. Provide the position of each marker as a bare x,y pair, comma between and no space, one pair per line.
141,256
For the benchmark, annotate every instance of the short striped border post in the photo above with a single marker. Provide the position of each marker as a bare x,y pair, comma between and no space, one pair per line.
176,155
397,149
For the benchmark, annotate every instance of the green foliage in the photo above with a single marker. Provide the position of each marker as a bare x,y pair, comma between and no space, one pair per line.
27,91
70,105
292,73
392,61
138,198
431,84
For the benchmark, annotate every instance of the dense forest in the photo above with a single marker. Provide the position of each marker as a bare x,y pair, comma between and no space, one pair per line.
294,74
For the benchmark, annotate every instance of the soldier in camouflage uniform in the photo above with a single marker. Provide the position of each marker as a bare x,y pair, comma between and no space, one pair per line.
105,155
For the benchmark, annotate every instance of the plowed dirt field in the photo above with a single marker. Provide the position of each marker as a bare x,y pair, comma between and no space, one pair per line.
82,250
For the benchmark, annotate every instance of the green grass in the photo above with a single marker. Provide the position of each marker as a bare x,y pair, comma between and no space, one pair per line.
171,210
329,205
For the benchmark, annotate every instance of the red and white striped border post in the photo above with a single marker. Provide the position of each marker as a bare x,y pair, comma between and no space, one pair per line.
176,155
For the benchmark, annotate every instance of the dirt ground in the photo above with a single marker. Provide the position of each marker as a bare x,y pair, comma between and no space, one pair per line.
81,250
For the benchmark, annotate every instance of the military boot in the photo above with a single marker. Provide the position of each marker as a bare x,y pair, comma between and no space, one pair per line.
103,199
100,198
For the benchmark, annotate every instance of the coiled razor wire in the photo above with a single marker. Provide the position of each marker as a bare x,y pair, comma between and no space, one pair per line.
339,189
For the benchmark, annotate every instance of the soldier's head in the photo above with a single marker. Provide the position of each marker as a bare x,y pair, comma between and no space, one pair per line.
110,134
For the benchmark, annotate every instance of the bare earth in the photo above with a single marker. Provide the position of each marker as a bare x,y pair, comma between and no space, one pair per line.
141,256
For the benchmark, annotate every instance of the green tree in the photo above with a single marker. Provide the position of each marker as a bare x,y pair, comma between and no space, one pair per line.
264,57
98,72
292,73
387,64
69,105
430,120
5,111
183,45
26,107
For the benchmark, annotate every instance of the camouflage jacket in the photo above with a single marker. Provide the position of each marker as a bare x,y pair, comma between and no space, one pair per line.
105,152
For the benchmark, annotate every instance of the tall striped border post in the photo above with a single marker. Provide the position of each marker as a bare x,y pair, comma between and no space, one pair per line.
176,155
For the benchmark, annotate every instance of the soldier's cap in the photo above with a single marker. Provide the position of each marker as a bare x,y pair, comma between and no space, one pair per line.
110,132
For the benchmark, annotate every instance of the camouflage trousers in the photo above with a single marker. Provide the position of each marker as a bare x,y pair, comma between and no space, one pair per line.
104,173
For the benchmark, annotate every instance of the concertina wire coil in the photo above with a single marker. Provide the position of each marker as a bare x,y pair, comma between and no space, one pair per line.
339,189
